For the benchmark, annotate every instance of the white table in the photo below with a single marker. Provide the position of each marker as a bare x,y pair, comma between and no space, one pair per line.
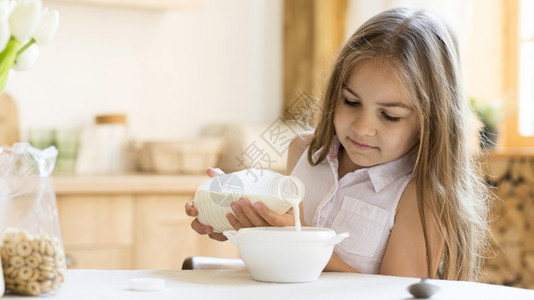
225,284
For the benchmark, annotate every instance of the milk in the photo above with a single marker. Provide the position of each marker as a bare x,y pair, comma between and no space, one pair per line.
296,211
278,192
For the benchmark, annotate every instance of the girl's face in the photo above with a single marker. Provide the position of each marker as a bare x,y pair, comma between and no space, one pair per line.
374,120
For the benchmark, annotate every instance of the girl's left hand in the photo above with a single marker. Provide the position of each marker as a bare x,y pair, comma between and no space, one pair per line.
258,215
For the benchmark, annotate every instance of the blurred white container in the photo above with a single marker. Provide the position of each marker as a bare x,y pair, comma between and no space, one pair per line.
104,147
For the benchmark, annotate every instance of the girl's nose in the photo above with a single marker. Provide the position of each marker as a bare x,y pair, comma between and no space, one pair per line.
364,125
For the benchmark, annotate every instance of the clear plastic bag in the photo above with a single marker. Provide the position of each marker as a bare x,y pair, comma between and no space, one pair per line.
33,258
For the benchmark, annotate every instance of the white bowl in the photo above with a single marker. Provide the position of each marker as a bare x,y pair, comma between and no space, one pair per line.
282,254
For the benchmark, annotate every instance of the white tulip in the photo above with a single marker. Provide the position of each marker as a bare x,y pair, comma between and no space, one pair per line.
25,18
5,34
6,6
47,28
27,58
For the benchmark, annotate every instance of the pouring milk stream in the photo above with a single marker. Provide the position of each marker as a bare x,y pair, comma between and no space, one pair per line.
278,192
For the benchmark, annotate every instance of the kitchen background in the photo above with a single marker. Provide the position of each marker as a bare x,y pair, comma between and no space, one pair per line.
170,70
176,69
175,66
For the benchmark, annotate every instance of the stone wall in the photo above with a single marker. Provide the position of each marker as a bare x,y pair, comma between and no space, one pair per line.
512,260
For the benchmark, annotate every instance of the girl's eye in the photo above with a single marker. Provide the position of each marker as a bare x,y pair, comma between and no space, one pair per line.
350,102
390,118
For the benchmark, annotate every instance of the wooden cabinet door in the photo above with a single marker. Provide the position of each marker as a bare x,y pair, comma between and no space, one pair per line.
164,237
97,231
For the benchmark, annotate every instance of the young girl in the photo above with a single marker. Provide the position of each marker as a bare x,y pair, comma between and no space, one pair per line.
392,160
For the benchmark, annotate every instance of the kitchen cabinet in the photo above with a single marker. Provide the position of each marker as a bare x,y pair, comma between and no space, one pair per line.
131,222
141,4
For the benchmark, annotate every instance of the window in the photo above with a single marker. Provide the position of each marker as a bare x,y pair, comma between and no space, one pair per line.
518,73
526,68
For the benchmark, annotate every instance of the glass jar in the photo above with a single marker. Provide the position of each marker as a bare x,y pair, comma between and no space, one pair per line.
104,148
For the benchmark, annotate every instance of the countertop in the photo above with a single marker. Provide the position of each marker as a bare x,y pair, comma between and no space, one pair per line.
127,184
232,284
143,183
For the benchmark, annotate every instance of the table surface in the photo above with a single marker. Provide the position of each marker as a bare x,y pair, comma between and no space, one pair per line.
235,284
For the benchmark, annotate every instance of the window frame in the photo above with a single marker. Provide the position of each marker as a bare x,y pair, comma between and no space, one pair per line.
511,138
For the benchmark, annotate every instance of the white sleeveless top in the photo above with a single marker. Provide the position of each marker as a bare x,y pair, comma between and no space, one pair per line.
362,203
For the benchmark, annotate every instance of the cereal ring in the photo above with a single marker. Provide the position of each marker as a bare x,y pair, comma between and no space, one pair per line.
50,250
10,271
42,244
11,234
24,248
16,261
31,261
36,275
46,285
25,273
36,245
3,251
19,280
9,280
24,235
11,250
37,256
33,288
47,263
46,275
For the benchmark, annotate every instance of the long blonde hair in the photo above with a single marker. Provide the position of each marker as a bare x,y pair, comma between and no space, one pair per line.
450,189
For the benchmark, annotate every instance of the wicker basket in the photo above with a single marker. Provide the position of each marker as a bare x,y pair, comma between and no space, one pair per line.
177,157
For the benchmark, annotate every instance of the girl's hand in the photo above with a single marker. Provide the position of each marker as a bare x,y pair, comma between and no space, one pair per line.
191,211
245,215
257,215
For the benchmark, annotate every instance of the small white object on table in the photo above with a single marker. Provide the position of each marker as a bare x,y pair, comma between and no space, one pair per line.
232,284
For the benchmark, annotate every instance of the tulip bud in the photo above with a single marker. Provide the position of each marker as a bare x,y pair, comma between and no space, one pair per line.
47,28
26,59
25,18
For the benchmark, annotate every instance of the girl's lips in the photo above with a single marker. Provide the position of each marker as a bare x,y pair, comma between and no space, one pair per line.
362,146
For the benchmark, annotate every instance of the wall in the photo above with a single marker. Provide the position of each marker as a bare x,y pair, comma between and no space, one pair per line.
171,71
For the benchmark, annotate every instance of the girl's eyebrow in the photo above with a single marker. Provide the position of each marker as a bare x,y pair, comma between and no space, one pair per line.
384,104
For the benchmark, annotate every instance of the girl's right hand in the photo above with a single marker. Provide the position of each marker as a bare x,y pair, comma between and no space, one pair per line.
191,211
